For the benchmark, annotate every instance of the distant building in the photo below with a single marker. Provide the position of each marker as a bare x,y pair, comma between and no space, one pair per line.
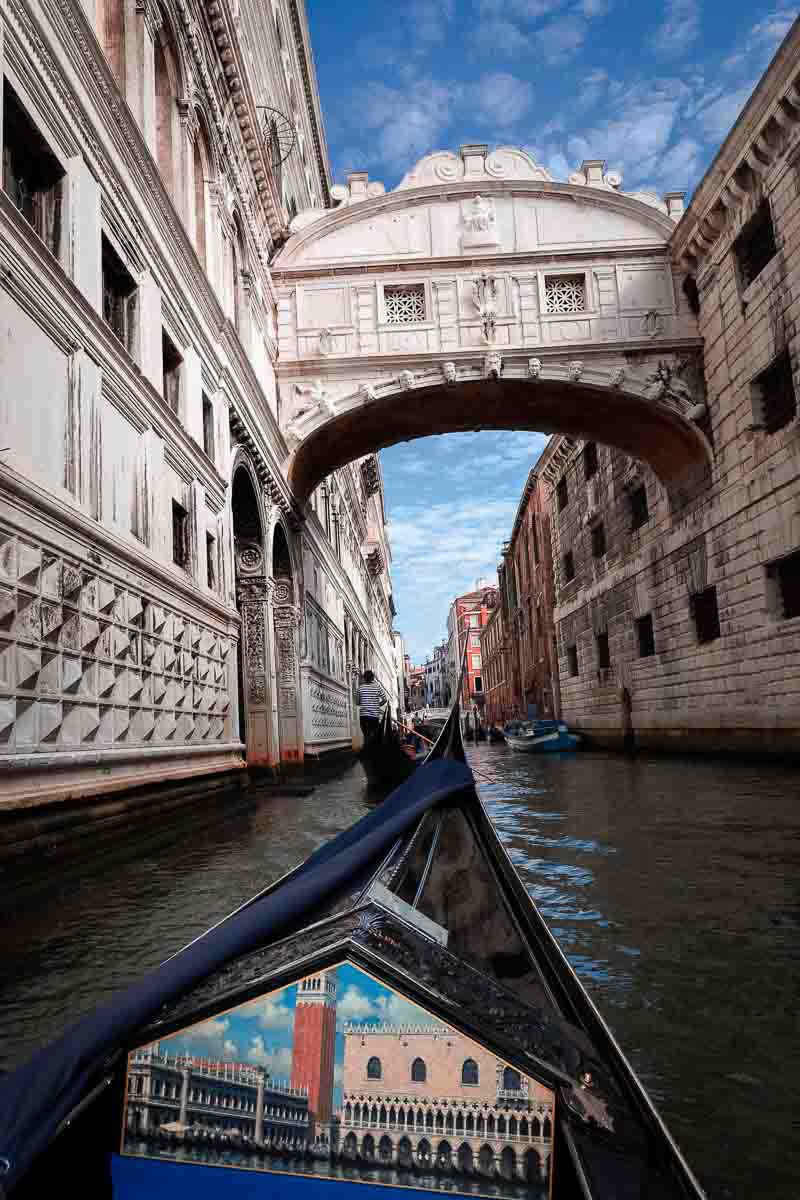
495,658
467,617
185,1091
426,1094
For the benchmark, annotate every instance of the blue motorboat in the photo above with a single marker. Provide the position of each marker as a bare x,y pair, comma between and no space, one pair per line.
540,736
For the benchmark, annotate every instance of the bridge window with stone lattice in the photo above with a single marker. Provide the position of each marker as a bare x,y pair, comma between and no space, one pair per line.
404,303
565,293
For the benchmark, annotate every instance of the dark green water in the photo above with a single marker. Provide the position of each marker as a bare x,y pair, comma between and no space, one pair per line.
671,884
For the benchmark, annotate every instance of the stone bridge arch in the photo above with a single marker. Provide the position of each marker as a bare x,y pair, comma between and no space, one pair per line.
482,293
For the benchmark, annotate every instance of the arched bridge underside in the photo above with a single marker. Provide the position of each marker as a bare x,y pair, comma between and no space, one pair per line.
598,406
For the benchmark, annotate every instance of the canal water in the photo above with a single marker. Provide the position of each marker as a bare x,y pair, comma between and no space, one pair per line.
670,883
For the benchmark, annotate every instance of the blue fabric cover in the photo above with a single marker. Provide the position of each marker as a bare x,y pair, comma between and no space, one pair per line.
36,1097
137,1177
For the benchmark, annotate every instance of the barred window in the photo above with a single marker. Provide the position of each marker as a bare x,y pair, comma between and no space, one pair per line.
405,303
755,246
773,397
564,293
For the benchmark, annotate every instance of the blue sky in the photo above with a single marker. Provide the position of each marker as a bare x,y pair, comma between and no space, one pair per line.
651,88
261,1031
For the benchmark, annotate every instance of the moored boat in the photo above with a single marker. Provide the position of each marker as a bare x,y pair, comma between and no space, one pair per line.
540,737
386,761
469,1058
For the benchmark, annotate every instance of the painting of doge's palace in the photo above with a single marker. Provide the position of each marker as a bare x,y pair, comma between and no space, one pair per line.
340,1077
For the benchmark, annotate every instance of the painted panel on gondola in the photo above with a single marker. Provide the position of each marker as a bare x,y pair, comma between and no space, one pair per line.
339,1077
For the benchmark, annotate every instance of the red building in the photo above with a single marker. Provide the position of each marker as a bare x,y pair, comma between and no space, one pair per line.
494,657
528,601
314,1048
468,616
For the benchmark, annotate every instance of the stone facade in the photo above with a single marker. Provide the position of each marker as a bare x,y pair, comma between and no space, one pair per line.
147,527
682,628
527,592
429,1095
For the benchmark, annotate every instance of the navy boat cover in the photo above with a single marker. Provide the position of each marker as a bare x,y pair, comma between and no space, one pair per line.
36,1098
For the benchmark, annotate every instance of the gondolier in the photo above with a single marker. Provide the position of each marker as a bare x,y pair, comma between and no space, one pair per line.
371,699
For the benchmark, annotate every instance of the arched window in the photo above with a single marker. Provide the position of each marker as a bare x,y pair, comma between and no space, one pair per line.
419,1071
469,1071
511,1080
167,120
374,1068
201,177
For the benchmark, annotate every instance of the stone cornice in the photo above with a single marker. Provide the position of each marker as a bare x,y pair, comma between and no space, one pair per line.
752,147
305,56
457,264
180,591
389,202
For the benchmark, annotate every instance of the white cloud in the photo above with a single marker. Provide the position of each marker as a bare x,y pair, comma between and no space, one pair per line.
681,161
679,28
405,122
501,99
717,118
210,1030
278,1060
230,1050
496,35
429,19
354,1004
525,10
595,8
271,1014
561,39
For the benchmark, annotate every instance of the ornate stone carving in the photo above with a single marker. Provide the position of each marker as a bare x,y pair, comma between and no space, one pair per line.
618,377
574,370
325,342
371,475
652,324
310,396
668,384
481,217
534,368
493,365
367,392
484,293
249,557
406,380
282,591
449,372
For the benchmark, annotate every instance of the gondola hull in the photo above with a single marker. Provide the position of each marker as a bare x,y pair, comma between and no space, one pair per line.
429,1031
386,764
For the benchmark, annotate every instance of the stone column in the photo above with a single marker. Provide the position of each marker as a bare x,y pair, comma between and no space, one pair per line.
151,358
259,1131
83,465
184,1095
191,406
253,603
286,620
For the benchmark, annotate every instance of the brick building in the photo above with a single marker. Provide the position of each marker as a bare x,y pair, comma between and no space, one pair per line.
495,656
681,621
527,592
427,1094
467,617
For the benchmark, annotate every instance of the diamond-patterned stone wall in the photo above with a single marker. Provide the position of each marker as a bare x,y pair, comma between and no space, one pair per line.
87,662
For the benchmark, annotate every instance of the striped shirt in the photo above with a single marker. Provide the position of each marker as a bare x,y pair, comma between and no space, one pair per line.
371,699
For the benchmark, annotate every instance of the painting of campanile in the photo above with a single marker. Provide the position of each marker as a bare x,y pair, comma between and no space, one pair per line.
340,1077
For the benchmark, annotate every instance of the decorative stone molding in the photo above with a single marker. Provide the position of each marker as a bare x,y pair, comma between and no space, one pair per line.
371,475
534,368
449,372
271,482
493,365
484,294
473,162
367,391
406,380
574,370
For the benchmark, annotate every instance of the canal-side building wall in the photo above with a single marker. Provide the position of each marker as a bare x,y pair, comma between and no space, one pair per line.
684,630
149,541
527,595
429,1093
494,655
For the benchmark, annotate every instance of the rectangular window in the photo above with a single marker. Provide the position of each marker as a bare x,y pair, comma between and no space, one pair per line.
603,657
755,245
562,494
211,561
535,540
476,662
474,639
572,660
644,632
33,177
598,540
564,293
478,684
785,578
180,535
172,363
637,503
474,621
404,303
569,566
208,427
773,396
703,607
589,460
120,296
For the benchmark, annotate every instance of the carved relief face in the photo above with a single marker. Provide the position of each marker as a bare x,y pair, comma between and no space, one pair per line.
534,367
449,371
406,380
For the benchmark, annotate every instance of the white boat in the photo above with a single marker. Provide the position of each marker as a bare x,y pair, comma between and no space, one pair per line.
540,737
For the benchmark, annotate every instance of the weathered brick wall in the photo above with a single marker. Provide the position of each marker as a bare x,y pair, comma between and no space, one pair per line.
740,690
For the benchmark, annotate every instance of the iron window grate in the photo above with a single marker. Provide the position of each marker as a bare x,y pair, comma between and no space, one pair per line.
404,303
564,294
